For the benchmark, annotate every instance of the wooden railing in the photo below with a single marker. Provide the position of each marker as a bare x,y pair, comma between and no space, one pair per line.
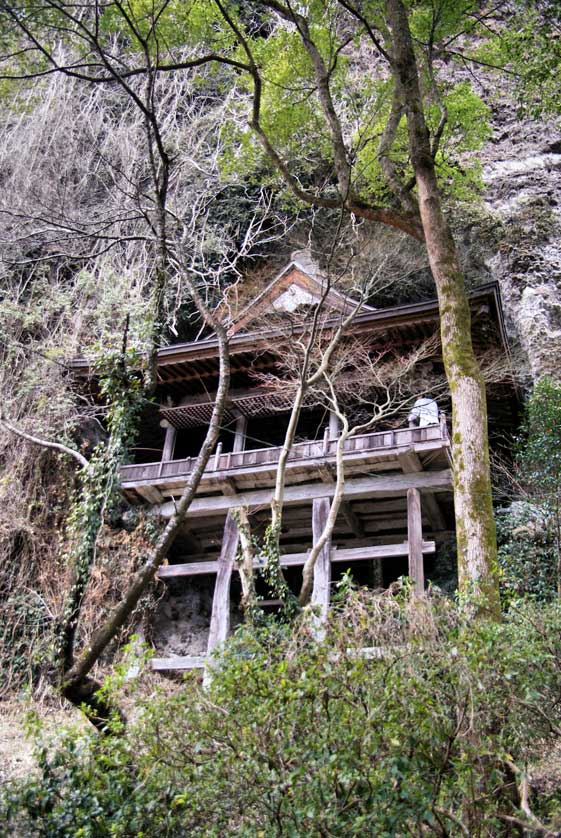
301,452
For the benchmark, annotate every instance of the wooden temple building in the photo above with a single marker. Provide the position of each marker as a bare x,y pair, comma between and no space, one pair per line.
398,502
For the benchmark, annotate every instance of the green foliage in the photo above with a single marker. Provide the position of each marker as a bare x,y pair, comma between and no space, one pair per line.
467,128
165,24
530,532
527,555
294,737
540,449
530,47
269,554
430,22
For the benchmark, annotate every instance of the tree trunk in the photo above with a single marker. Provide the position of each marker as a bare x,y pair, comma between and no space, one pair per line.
245,564
475,525
77,677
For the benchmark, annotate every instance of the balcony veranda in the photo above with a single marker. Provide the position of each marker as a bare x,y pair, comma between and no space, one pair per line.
401,450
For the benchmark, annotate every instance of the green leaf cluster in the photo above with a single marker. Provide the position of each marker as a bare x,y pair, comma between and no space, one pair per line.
530,530
529,46
165,25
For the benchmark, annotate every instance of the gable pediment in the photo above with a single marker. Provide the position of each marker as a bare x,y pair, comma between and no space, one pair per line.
294,297
299,285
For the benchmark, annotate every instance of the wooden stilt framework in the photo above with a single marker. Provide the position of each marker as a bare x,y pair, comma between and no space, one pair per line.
220,618
169,441
240,434
322,568
415,539
409,483
379,486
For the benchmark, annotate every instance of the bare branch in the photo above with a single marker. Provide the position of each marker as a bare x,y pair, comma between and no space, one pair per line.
45,443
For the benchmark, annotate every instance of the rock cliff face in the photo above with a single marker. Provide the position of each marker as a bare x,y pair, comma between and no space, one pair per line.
522,174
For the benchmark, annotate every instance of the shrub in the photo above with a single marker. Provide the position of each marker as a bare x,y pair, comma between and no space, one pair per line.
530,530
431,736
527,553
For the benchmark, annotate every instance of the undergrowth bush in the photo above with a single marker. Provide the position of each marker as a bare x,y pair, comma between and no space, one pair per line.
432,737
529,531
527,553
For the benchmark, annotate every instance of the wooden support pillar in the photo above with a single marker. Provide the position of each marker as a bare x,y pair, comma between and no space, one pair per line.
410,463
415,539
220,619
217,455
376,575
322,569
169,441
333,425
239,437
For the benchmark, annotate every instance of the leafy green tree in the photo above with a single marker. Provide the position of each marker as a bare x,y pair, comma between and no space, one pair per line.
527,553
532,51
388,144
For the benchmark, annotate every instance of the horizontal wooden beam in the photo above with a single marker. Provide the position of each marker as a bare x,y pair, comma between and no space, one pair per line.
385,551
342,554
301,545
363,487
168,571
177,662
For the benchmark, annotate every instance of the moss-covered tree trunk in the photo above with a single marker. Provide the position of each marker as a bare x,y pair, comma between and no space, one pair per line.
475,526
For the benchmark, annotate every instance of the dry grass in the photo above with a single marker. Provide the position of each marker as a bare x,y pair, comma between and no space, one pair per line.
16,749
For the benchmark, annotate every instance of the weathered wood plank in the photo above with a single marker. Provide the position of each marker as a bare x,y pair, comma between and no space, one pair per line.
352,519
176,472
239,434
151,494
220,618
228,487
415,539
169,442
168,571
359,488
385,551
409,461
178,662
322,567
300,547
342,554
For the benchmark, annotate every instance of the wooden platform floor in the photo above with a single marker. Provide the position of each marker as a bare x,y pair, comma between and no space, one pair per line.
406,449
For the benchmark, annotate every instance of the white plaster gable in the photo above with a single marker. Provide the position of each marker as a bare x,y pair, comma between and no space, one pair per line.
300,283
292,298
